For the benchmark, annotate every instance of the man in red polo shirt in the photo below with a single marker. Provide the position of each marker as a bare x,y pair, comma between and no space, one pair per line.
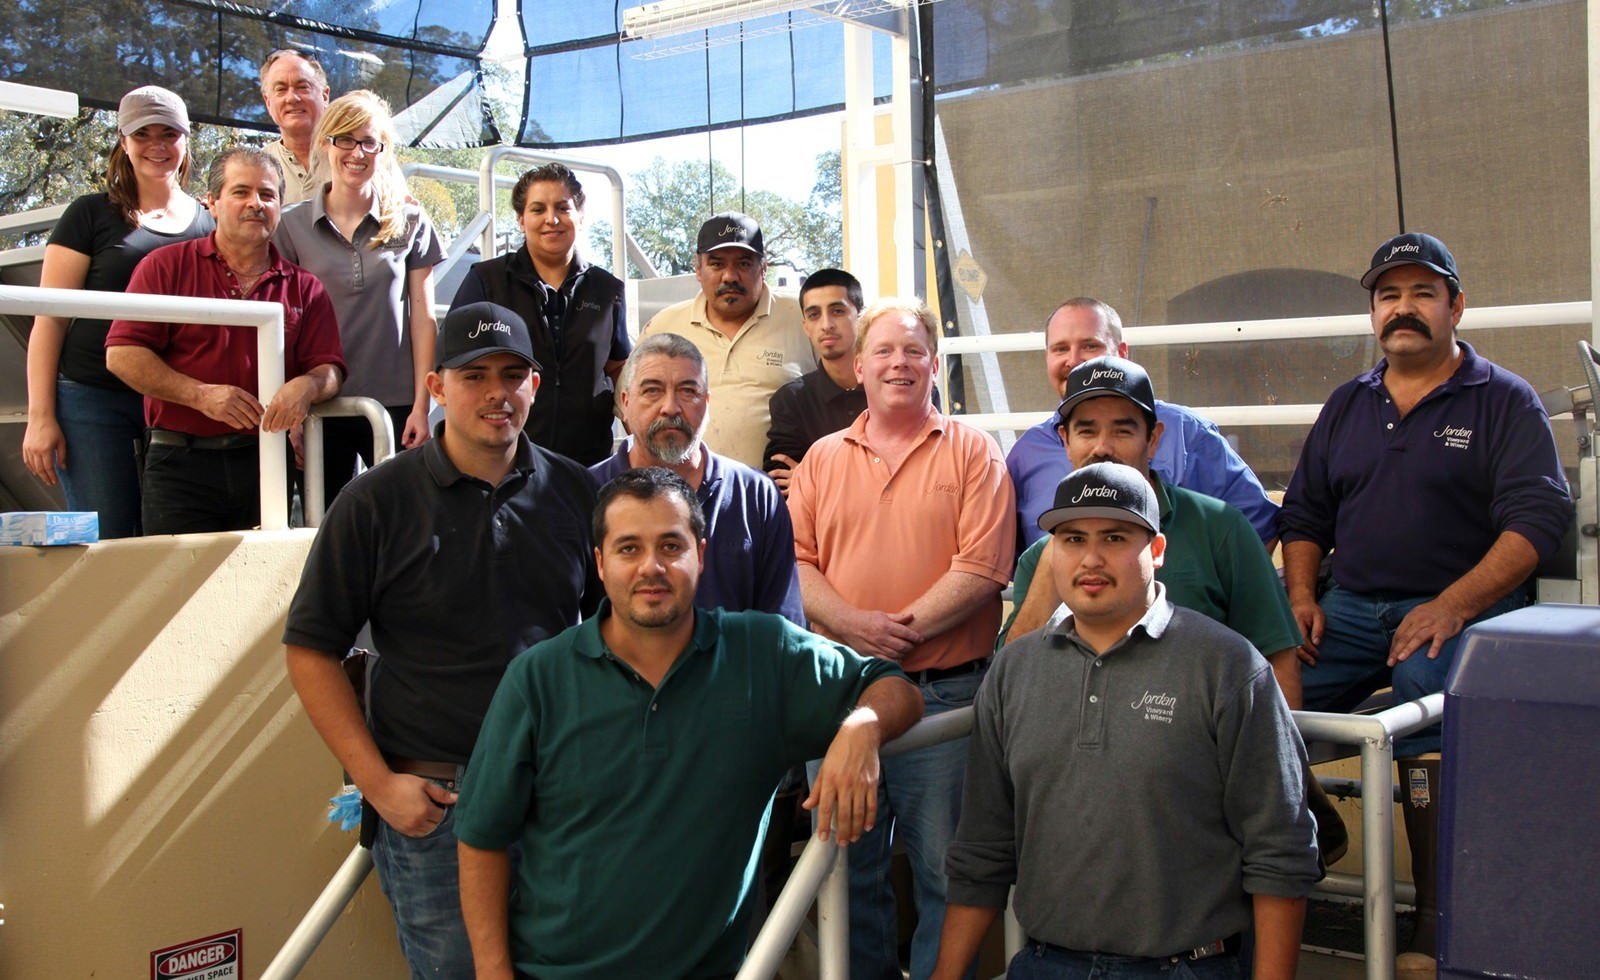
201,468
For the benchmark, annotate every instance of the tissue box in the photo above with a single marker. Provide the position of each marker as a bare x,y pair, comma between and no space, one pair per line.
39,527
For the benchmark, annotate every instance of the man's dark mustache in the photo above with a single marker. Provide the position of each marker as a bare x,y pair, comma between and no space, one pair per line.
1405,321
731,287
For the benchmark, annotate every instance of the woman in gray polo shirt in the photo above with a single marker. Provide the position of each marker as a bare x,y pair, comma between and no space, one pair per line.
374,251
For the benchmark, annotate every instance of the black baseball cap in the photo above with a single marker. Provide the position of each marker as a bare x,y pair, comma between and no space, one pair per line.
480,329
730,230
1108,490
1106,376
1413,248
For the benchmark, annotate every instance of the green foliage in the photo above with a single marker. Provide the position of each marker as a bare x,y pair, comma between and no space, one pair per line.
667,203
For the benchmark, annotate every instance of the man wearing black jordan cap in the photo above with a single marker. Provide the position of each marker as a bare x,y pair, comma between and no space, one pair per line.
462,553
1434,480
1136,753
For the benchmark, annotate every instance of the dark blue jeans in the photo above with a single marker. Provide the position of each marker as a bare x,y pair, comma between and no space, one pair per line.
1036,961
103,429
1351,662
420,878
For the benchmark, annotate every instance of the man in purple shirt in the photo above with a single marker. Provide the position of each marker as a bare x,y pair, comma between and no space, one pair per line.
749,561
1435,482
1192,454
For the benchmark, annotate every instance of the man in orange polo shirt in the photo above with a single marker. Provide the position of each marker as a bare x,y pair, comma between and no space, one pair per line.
904,539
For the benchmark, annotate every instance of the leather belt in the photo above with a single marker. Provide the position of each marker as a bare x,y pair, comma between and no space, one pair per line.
445,771
1230,945
233,440
959,670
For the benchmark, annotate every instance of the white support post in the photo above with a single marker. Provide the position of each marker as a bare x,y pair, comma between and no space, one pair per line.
900,109
858,172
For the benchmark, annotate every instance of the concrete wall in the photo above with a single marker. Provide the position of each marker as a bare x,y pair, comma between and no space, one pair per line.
158,782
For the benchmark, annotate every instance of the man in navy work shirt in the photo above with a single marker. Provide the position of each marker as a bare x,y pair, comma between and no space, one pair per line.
1193,454
633,759
1133,770
749,539
1434,480
462,553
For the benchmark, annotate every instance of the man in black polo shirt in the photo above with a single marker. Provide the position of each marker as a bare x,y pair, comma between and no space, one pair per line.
827,399
462,553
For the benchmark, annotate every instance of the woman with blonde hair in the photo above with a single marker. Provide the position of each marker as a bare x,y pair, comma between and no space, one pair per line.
84,425
374,250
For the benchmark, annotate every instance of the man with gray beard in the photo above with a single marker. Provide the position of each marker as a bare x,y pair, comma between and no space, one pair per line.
666,401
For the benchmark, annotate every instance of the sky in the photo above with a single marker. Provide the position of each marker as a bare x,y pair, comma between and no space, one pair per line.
770,160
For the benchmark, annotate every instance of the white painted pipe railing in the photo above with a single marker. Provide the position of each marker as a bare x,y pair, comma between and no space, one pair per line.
267,318
383,446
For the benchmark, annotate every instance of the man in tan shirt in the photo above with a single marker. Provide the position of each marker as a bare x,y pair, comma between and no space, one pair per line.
904,539
753,342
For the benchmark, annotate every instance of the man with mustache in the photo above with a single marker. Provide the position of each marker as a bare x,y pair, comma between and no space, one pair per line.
1134,772
202,464
666,405
461,552
752,340
1435,482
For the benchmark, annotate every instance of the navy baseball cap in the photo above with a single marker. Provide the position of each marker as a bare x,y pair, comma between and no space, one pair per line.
480,329
730,230
1413,248
1108,490
1106,376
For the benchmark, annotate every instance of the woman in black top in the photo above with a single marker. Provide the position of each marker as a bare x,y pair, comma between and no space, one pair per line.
84,424
574,313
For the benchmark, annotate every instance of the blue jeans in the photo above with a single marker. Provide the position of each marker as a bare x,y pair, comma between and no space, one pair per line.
420,878
103,429
919,801
1036,961
1351,662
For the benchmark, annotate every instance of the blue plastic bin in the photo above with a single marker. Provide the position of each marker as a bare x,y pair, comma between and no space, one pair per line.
1519,877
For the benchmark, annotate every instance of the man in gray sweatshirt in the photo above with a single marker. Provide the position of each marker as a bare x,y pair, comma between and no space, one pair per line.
1133,770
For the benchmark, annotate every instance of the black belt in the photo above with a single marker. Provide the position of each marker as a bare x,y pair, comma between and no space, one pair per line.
233,440
1231,945
959,670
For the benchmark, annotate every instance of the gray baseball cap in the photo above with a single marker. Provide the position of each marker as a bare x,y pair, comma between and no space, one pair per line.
150,105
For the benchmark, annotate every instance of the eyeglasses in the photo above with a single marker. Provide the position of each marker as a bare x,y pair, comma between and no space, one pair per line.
368,145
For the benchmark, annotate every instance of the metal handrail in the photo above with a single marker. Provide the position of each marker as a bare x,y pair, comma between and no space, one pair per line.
383,445
486,187
819,877
267,318
1234,331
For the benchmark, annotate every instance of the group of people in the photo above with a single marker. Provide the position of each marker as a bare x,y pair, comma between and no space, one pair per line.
154,425
637,705
598,664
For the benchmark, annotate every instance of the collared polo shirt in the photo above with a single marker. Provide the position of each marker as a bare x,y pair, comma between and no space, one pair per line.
299,183
771,348
749,560
1167,770
1192,454
225,355
882,536
1214,564
640,810
806,409
457,578
368,288
1409,505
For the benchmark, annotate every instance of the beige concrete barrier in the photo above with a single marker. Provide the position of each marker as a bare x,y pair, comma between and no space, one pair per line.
158,780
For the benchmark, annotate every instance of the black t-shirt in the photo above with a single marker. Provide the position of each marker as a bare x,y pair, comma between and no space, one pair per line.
93,226
457,578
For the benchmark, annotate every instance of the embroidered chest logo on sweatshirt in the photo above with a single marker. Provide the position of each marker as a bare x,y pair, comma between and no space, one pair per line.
1156,707
1455,437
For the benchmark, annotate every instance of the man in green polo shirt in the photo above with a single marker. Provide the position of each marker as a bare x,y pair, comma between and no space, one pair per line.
1214,564
632,761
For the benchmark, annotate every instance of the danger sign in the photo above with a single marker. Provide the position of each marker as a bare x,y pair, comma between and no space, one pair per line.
218,957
